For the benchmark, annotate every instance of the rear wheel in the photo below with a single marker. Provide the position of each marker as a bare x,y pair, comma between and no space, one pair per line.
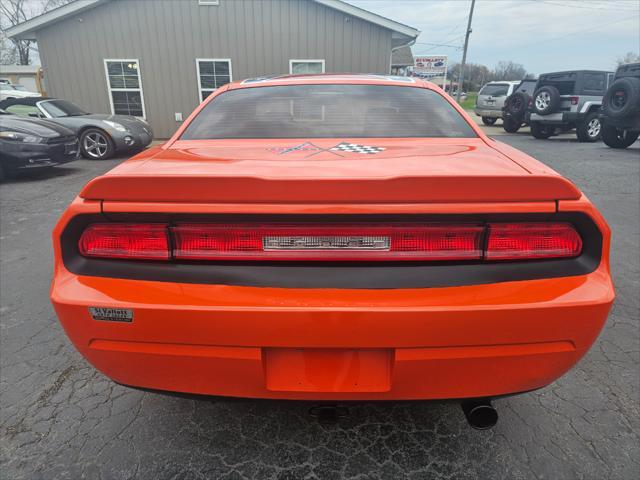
590,129
489,120
616,138
511,125
541,132
96,144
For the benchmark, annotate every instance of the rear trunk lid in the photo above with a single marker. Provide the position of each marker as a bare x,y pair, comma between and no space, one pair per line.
325,171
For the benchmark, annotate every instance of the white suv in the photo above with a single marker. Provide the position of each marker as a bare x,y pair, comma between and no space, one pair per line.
491,99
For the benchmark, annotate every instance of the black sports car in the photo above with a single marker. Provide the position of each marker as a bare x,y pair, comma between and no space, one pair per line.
101,135
28,144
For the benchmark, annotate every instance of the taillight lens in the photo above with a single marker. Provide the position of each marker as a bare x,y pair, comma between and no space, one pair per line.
574,100
327,242
331,242
517,241
124,240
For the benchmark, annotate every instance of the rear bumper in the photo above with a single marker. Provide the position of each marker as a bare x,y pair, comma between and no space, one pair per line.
487,112
466,341
625,123
558,118
437,343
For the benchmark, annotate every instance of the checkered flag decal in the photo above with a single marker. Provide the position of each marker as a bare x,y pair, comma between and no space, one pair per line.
354,147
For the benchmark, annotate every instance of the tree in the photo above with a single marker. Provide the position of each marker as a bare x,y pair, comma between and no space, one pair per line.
629,57
509,71
13,12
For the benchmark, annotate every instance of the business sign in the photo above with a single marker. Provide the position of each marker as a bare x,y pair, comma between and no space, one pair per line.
431,66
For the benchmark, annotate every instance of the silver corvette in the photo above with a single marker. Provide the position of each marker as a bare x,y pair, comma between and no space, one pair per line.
101,135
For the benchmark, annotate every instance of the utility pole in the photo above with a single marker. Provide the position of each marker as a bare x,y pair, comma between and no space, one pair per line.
464,53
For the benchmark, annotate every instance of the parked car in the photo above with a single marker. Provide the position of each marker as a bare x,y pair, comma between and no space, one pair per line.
517,106
567,100
491,99
256,254
9,90
621,108
101,135
30,144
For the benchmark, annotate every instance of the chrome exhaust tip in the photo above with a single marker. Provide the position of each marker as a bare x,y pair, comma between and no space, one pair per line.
480,414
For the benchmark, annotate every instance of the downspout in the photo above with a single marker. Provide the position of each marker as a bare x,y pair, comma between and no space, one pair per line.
393,49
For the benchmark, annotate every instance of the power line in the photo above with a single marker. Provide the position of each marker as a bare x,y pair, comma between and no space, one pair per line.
596,27
584,7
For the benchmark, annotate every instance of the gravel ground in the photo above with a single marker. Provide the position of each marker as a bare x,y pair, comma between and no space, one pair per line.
60,419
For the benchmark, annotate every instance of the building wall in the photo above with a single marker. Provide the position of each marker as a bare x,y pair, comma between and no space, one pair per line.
166,36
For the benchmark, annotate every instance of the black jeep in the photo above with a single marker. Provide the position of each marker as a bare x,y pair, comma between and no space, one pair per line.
566,100
621,108
516,110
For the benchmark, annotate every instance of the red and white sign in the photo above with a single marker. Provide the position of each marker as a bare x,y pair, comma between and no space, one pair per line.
433,65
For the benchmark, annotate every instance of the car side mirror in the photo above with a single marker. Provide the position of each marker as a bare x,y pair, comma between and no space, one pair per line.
34,114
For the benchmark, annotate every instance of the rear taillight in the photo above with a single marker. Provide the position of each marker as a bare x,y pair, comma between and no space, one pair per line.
327,242
574,100
331,242
514,241
125,240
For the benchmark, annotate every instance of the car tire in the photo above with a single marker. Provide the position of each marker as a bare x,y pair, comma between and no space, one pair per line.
616,138
511,125
517,103
546,100
96,144
489,120
541,132
590,129
622,99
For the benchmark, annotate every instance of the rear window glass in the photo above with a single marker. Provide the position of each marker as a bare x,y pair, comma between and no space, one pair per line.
495,90
328,111
564,82
594,82
527,87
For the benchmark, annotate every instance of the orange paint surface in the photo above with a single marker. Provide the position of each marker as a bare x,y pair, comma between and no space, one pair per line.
334,344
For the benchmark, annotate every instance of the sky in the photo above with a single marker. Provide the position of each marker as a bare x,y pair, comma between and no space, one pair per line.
543,35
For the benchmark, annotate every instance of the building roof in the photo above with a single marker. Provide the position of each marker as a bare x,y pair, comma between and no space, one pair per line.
402,57
26,30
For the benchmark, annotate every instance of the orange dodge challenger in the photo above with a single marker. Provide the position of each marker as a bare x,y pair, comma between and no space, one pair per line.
333,238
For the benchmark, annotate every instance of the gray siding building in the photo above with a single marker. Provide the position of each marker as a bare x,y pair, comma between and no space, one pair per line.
159,59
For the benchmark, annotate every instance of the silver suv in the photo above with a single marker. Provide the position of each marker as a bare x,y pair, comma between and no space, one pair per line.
566,100
491,99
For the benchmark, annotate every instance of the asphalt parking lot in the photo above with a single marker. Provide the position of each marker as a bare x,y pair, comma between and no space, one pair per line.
60,419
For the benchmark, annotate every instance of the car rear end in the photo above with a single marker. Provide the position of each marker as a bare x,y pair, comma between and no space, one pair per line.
332,268
491,98
580,93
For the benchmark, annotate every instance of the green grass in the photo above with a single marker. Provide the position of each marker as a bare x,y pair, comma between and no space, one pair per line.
470,102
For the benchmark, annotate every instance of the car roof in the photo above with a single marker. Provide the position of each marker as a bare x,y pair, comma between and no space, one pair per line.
331,79
575,71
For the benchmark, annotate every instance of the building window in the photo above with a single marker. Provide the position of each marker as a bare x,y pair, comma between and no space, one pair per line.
125,87
306,66
212,73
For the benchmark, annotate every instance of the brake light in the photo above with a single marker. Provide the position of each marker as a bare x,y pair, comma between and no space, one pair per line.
515,241
125,240
574,100
327,242
331,242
